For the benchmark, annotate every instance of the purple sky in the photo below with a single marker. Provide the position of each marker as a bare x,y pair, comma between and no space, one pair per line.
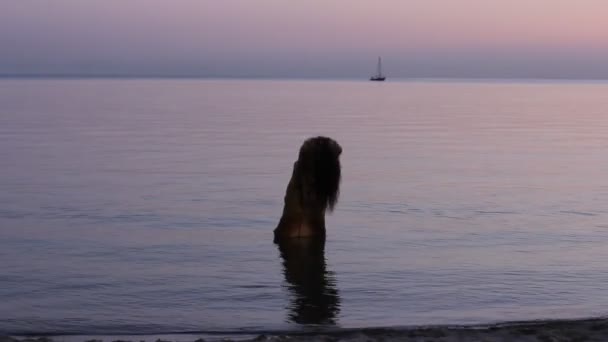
307,38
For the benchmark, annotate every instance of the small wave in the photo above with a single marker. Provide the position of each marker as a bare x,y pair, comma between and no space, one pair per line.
575,212
495,212
593,329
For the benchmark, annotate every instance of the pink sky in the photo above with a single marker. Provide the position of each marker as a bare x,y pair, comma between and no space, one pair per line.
310,37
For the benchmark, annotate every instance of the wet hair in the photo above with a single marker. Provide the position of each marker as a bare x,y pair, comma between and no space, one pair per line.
318,170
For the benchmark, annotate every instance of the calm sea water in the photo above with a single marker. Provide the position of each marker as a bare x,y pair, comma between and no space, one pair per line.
147,206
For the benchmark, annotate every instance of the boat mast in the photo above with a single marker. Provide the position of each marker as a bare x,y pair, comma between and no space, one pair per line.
379,69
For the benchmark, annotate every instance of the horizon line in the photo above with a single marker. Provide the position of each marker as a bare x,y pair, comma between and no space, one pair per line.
334,78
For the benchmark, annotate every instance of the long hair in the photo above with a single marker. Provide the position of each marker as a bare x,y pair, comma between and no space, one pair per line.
318,170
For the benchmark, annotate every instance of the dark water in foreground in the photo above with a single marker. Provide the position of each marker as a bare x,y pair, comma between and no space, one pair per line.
147,206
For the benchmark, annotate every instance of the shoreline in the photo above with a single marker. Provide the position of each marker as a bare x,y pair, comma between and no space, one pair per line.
595,329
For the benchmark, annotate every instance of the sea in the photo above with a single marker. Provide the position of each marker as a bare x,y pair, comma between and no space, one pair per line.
146,206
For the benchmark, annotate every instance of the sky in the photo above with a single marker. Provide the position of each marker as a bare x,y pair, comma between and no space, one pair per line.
305,38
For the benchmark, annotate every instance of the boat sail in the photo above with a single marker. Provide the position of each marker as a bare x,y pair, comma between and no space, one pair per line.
378,76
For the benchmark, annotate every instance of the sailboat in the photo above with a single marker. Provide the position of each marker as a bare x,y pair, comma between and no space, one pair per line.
378,76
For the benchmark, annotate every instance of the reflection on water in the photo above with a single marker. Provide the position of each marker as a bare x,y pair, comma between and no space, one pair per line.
314,297
147,206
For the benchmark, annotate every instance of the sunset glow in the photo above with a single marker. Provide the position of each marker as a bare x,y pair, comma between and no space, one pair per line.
558,38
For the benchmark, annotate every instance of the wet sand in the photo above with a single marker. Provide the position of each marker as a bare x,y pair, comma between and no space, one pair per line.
542,331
